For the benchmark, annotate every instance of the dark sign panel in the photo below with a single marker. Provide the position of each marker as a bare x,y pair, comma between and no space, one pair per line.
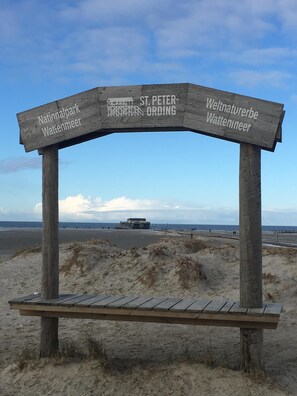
105,110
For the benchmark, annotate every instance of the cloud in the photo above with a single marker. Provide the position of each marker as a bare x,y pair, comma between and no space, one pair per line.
283,217
81,208
107,50
111,12
288,14
211,26
262,56
102,42
132,39
88,208
14,165
8,26
253,78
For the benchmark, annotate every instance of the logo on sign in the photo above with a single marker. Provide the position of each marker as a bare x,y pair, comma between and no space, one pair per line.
122,107
154,105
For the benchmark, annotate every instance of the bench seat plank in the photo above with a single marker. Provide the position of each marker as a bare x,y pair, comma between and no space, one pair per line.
183,305
90,301
151,303
42,301
136,303
257,311
188,311
167,304
22,299
74,300
122,301
105,301
237,309
273,309
215,306
198,305
226,308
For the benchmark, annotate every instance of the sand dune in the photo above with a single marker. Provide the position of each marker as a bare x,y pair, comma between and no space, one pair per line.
144,358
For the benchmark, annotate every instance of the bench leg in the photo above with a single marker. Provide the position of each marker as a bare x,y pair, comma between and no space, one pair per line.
251,349
49,341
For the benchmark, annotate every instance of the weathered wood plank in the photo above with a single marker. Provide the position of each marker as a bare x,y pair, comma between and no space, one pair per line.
45,301
233,117
167,304
226,308
59,121
24,298
122,301
198,306
273,309
183,305
237,309
202,318
91,301
104,302
227,322
215,306
151,303
159,107
256,311
74,300
158,310
136,303
165,106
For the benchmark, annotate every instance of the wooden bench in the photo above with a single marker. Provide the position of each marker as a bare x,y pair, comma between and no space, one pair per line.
192,311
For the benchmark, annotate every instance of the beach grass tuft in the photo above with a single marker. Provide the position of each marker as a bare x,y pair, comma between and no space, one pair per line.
189,270
195,245
158,251
97,351
73,260
24,357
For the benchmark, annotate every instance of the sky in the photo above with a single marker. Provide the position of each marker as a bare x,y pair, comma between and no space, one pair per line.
52,49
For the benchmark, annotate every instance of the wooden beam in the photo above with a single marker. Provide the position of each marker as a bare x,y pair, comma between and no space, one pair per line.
251,340
251,320
198,321
50,247
161,107
168,310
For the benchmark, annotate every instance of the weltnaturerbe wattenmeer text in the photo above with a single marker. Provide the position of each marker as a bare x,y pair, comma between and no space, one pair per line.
220,106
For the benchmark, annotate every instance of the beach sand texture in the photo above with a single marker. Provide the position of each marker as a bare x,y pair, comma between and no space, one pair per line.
147,358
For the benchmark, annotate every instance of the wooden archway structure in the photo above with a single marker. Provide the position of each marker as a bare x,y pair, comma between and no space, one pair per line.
253,123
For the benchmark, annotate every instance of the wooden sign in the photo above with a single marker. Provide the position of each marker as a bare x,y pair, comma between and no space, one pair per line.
164,107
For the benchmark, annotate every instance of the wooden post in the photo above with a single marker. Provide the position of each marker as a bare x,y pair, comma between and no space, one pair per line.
251,340
50,247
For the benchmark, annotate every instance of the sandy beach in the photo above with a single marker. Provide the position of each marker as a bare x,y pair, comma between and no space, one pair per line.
143,358
13,240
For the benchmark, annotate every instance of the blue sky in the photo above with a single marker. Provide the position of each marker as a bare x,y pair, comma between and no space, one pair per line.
52,49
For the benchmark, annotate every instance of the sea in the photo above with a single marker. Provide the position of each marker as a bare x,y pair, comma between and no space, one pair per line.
154,226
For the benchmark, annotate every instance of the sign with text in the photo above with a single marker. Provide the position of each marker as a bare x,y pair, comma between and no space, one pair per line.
163,107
